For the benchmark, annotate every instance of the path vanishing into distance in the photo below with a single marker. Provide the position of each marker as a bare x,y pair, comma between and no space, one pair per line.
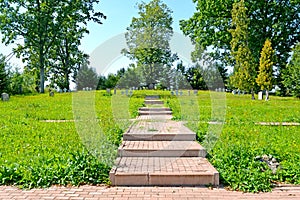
157,151
158,159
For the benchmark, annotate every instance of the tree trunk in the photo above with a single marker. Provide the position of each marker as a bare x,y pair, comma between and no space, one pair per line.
66,80
42,79
267,95
252,93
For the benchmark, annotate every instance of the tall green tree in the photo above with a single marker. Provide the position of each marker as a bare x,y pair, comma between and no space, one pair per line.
244,72
266,63
4,79
87,77
291,77
129,78
39,23
277,20
148,39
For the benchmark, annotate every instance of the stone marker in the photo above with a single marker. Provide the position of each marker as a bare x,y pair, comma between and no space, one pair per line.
65,90
115,91
51,93
260,95
195,92
108,91
4,97
176,92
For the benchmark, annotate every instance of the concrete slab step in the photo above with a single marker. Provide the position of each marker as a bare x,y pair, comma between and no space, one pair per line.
159,136
150,97
163,171
149,125
155,112
154,109
152,102
161,149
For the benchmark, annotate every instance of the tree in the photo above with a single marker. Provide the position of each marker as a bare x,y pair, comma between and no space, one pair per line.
129,78
244,72
291,77
4,79
148,39
39,23
265,74
87,77
277,20
112,80
101,83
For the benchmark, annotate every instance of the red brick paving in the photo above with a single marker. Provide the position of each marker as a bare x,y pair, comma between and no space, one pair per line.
146,193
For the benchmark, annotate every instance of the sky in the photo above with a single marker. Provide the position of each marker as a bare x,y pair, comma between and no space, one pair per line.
119,15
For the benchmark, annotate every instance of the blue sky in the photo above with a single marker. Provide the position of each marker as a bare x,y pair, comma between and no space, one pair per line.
119,14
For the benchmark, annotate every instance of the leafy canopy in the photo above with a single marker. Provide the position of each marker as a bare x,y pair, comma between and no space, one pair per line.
265,74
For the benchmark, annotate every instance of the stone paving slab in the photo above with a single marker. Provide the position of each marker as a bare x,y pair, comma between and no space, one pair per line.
147,193
159,137
154,109
155,112
152,124
163,171
154,117
152,102
161,149
278,123
153,129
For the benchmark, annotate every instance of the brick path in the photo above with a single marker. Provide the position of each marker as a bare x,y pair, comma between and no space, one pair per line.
157,151
147,193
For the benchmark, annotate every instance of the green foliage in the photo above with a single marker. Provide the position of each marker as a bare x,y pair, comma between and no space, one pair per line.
291,78
148,39
38,154
87,77
4,82
242,140
276,20
22,82
34,153
265,75
45,25
244,72
79,168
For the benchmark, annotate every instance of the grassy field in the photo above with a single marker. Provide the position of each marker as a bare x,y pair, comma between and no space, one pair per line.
36,153
80,149
237,140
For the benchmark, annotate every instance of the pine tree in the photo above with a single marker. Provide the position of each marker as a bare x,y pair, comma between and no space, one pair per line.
266,62
244,72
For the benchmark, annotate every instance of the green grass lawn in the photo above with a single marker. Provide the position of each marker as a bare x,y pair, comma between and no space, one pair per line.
34,153
234,145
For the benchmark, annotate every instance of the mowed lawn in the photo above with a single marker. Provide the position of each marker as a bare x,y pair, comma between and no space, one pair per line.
228,125
35,153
